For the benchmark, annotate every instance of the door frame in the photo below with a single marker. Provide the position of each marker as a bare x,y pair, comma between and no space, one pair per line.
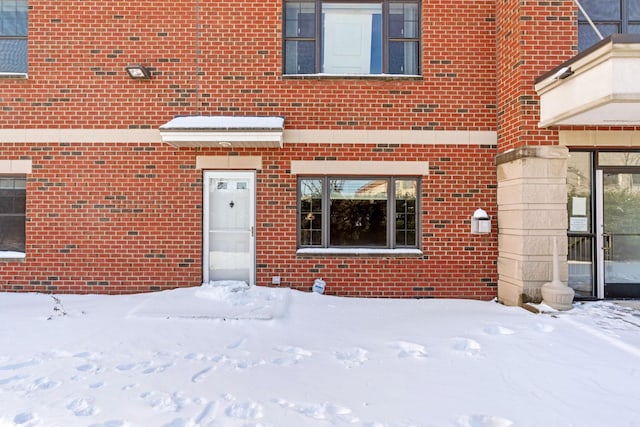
206,178
599,226
599,222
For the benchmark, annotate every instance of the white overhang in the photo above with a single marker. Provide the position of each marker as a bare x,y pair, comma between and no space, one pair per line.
600,86
223,131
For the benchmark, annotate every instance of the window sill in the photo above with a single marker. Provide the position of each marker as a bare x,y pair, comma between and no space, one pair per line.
322,76
7,256
20,76
404,253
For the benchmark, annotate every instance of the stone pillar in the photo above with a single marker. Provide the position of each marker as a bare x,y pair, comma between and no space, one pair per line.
532,209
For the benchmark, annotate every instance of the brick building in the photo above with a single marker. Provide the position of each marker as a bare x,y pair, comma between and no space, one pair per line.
157,145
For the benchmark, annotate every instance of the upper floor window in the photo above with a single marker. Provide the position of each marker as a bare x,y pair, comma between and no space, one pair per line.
358,37
13,37
610,17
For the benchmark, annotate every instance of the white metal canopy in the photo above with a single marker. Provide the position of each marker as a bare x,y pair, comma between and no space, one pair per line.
214,131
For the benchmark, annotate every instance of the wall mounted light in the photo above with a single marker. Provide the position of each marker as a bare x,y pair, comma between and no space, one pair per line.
563,73
137,71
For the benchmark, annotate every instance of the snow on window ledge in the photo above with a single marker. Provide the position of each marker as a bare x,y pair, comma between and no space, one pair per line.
14,76
359,251
10,255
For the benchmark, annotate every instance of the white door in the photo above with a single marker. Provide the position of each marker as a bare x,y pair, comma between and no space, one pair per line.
347,40
229,224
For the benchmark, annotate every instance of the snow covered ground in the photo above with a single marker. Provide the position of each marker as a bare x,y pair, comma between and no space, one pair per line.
229,355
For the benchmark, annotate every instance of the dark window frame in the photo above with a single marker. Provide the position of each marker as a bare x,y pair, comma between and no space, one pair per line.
13,206
387,39
622,23
14,35
391,212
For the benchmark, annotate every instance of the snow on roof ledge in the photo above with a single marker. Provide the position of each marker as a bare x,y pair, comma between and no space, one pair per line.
225,131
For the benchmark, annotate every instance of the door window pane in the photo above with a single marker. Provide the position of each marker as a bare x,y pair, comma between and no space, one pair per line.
580,237
620,158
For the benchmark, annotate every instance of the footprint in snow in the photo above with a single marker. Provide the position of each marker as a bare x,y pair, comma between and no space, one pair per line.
25,419
165,402
483,421
19,365
14,378
326,411
292,355
88,367
112,423
351,357
543,327
44,383
468,346
201,375
409,349
237,344
245,410
157,369
82,407
497,330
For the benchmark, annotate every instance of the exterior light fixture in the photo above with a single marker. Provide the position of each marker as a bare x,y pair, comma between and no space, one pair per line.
563,73
138,72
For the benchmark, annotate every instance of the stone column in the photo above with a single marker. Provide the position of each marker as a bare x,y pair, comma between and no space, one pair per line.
532,208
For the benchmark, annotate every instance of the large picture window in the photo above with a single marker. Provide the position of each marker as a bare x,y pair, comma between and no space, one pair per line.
342,212
13,37
358,37
610,17
13,198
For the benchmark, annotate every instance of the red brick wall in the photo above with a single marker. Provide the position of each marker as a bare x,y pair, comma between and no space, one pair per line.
532,38
78,51
108,217
128,217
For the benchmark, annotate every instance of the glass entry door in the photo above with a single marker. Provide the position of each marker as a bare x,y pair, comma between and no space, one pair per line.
619,239
229,226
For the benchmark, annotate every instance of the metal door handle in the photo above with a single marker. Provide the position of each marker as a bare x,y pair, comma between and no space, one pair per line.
606,241
251,230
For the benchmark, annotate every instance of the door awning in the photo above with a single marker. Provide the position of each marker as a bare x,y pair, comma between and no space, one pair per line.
223,131
600,86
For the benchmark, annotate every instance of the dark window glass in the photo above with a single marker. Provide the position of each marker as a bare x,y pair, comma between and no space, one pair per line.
602,10
311,212
300,57
358,210
610,17
355,212
406,199
634,10
13,198
588,37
